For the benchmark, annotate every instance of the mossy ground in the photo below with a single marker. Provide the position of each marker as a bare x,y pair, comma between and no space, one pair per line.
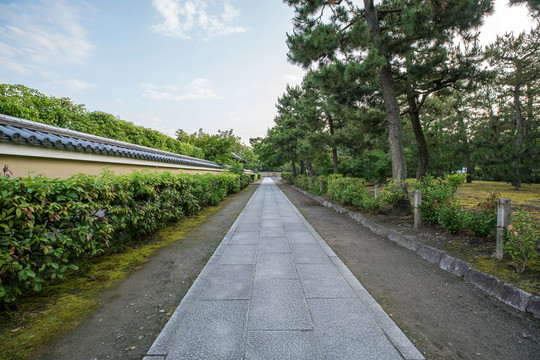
479,252
44,317
528,195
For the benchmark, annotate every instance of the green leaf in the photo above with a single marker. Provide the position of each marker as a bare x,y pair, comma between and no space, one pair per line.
23,275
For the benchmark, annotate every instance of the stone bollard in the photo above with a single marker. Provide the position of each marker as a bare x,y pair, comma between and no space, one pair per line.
321,185
503,220
417,205
376,192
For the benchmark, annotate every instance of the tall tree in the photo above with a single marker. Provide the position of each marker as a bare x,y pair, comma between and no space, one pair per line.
341,95
516,61
385,36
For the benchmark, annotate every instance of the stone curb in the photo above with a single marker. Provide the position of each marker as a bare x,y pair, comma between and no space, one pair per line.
508,294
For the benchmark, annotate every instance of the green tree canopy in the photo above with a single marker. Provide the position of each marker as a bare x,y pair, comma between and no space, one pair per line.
216,147
23,102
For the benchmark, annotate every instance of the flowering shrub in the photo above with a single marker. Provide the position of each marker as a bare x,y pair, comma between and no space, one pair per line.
482,221
47,226
436,193
521,238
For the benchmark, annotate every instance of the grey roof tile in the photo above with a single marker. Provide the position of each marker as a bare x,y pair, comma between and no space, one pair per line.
25,131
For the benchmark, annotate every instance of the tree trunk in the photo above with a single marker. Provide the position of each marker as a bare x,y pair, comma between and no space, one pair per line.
334,149
414,116
468,164
302,168
530,102
294,170
465,140
395,137
519,137
335,159
310,168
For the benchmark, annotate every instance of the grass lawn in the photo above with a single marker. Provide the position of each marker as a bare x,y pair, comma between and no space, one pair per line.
527,197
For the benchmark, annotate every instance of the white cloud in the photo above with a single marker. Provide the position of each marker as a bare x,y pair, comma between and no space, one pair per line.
75,85
292,79
155,122
189,18
196,89
506,19
34,36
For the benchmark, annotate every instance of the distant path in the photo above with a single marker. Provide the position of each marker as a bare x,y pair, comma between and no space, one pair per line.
275,290
444,316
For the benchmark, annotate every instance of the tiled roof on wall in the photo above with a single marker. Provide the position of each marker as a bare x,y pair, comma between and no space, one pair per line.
25,131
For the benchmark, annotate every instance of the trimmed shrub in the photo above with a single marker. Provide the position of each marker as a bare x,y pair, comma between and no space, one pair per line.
48,226
392,193
287,177
322,184
450,216
440,205
302,181
351,191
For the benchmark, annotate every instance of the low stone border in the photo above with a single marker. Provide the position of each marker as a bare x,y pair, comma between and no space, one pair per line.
508,294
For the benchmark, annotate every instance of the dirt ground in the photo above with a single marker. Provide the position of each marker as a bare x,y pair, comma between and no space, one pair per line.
132,315
445,317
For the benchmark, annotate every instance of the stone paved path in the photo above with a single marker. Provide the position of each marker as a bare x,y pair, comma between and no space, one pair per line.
274,290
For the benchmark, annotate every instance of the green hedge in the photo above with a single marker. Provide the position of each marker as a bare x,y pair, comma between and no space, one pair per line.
440,205
351,191
287,177
47,226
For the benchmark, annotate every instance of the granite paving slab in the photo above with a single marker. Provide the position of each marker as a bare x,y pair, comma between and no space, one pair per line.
275,266
301,237
213,330
275,290
229,282
323,281
346,330
274,246
279,345
245,238
278,304
309,254
239,254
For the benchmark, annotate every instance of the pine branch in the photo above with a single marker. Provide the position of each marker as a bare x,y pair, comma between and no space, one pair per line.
389,11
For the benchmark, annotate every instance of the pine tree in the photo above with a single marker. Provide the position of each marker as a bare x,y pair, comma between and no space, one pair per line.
516,61
386,37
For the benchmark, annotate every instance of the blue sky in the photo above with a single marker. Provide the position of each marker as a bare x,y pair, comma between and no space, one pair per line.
166,64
